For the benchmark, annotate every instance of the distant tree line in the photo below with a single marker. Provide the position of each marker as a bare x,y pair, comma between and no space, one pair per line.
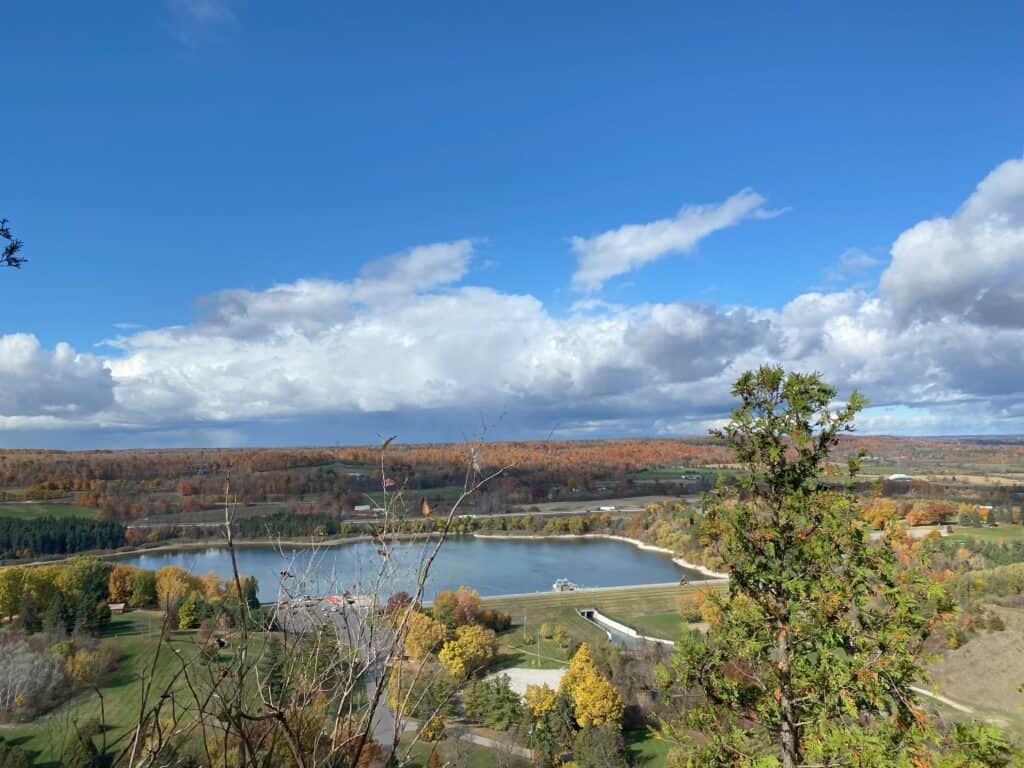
57,536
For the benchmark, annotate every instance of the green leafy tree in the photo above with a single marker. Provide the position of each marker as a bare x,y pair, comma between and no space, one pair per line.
552,731
812,652
189,610
143,588
599,747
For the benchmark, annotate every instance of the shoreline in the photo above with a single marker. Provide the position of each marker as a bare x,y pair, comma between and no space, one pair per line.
336,541
681,562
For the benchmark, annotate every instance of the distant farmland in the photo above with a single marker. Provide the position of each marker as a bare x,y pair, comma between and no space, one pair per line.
30,510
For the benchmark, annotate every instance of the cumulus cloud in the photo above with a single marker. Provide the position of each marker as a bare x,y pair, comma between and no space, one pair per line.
969,264
622,250
408,342
38,383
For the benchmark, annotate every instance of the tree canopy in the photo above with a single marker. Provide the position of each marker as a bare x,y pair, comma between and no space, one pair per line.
810,655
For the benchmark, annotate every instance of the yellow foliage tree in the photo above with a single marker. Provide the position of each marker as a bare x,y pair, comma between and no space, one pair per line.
878,511
690,605
120,583
423,635
473,648
597,702
595,699
539,699
210,586
172,584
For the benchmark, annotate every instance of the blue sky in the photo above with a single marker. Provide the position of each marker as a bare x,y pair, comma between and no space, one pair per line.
158,155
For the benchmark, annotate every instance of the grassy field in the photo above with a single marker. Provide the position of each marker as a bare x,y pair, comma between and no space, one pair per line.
135,635
465,755
666,625
646,749
44,509
1003,532
630,605
531,651
987,672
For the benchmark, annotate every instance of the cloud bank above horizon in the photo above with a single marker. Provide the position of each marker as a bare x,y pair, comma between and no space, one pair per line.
937,345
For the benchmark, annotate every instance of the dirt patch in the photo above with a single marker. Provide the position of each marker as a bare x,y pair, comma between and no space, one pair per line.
987,672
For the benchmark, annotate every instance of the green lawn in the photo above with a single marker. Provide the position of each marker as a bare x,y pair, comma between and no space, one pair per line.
463,754
625,604
135,635
515,650
668,625
44,509
646,749
1002,532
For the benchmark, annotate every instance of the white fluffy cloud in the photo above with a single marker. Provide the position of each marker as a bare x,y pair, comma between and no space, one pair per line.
967,265
36,383
622,250
939,347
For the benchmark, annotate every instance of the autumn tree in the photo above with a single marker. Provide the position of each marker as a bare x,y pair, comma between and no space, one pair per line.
119,585
811,654
12,581
423,635
539,698
472,649
172,585
455,608
595,699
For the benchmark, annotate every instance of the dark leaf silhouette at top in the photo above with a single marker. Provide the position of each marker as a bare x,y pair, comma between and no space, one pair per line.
14,245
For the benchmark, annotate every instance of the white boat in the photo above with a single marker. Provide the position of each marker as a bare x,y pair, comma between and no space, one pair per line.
563,585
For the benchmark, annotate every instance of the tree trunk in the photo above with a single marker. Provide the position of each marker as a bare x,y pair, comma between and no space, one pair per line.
787,722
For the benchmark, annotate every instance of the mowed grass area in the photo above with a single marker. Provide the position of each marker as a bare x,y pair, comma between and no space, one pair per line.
646,749
626,604
461,753
28,511
1002,532
666,625
135,636
519,649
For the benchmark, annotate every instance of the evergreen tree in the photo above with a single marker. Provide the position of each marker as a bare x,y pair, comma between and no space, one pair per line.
274,669
810,655
250,592
58,619
28,614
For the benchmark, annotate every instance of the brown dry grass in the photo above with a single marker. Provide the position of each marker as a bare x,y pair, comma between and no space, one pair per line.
988,672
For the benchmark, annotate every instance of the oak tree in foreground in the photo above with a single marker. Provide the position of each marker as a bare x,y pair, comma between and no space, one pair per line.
810,656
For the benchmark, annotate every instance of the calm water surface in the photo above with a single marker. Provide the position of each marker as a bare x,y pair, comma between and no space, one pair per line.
491,566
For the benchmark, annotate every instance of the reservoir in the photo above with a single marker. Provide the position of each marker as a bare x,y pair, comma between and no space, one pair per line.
489,565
